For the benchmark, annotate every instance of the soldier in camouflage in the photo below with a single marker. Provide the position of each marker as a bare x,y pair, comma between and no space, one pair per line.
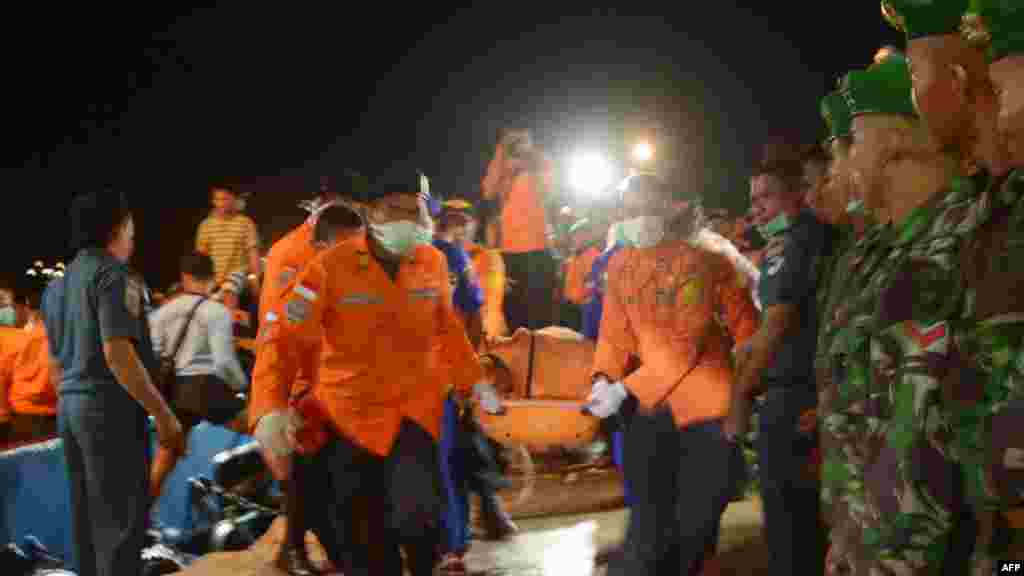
968,107
894,477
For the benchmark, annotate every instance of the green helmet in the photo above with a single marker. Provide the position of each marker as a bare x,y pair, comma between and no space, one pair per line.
920,18
996,25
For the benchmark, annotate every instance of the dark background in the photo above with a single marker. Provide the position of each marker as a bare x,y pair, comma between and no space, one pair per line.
160,103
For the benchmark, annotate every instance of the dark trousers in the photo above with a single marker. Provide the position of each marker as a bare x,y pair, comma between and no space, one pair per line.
365,507
530,299
790,498
105,448
30,428
682,479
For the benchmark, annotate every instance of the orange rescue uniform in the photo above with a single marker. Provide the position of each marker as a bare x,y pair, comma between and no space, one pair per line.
490,269
576,270
376,338
661,306
523,227
12,341
285,259
32,391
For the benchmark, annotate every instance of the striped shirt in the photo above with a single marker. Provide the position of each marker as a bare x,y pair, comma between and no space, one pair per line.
228,241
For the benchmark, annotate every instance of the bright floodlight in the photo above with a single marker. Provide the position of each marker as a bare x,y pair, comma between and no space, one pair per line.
643,152
590,173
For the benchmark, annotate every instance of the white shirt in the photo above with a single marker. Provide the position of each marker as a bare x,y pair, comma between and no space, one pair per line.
208,347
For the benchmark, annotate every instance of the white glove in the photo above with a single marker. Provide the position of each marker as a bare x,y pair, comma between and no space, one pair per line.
605,398
272,433
487,397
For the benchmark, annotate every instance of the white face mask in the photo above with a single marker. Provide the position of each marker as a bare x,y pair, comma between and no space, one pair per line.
402,237
642,232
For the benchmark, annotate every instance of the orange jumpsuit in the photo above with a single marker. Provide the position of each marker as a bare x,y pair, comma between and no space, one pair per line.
576,272
12,342
661,306
286,258
376,338
490,269
31,391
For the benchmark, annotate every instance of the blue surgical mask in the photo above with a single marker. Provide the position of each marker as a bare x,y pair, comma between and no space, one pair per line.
8,316
402,237
775,226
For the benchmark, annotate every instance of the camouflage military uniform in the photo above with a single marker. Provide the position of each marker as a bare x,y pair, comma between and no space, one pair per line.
892,469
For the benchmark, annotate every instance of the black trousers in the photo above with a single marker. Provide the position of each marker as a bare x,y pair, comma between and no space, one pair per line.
683,479
529,301
364,508
105,448
790,498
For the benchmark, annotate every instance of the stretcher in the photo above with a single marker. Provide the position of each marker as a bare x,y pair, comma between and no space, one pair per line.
539,424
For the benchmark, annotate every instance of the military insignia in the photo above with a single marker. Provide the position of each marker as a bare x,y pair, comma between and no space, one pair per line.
285,277
133,297
774,265
297,310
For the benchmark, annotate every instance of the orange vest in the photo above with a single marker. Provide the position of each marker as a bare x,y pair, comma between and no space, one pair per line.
31,391
490,269
661,306
377,342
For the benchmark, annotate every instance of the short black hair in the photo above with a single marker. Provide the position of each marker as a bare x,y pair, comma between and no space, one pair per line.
96,216
335,218
197,265
222,185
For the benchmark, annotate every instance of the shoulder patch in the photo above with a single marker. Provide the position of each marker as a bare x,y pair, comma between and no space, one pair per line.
297,310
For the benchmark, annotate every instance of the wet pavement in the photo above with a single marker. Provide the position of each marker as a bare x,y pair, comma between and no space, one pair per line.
566,545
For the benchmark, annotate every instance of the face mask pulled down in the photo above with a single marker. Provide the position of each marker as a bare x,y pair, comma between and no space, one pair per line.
8,316
642,232
402,237
774,226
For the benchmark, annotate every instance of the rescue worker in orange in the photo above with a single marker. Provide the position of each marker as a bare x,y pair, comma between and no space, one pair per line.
330,222
587,238
377,306
661,305
30,393
518,180
490,271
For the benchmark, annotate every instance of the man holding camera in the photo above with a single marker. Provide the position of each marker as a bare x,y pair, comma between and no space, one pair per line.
517,181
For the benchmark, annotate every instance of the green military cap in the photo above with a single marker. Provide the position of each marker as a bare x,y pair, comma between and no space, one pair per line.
836,114
884,88
997,25
920,18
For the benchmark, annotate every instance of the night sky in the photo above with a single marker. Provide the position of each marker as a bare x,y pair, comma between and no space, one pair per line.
159,104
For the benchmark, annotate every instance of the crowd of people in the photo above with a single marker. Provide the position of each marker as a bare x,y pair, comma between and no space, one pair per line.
868,300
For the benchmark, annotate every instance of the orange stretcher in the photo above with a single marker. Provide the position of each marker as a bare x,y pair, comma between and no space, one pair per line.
543,410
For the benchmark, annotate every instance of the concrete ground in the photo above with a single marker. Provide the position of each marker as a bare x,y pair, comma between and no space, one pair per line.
564,520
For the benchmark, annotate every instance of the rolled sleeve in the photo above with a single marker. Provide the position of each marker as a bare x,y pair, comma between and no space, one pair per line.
118,306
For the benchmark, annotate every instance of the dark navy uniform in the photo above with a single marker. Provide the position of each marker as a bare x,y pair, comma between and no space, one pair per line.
104,430
789,275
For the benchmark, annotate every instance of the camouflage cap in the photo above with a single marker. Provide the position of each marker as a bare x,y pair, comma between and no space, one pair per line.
884,88
920,18
836,113
995,25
